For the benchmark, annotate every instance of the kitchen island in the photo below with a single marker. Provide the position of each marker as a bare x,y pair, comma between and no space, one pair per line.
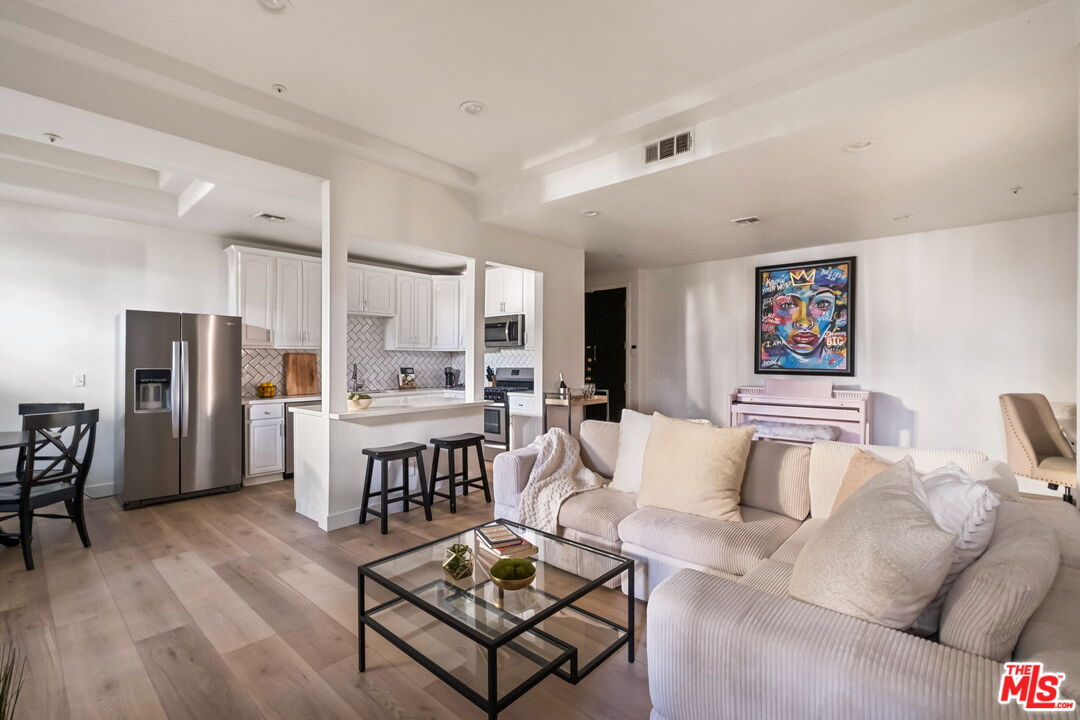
328,490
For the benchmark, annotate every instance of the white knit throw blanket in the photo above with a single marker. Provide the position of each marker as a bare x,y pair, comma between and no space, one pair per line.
557,475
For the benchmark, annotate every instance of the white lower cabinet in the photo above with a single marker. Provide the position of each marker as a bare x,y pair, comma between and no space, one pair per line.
264,440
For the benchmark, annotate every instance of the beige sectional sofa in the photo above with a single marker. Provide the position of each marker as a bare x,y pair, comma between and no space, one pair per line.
725,639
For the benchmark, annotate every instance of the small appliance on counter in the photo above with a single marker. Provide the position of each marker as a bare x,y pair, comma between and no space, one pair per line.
406,378
452,376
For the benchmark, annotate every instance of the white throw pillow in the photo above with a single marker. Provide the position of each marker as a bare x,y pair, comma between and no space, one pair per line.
966,509
634,429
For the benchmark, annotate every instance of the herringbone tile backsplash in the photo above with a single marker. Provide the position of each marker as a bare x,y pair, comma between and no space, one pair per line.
377,367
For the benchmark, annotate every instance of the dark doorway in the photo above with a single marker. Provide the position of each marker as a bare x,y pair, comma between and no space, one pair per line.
605,348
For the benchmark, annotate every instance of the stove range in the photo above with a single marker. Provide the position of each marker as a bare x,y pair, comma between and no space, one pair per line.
497,417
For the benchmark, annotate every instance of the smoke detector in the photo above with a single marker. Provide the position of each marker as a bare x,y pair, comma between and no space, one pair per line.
52,137
275,7
269,217
748,220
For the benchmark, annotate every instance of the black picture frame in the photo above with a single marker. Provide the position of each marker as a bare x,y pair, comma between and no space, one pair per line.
844,326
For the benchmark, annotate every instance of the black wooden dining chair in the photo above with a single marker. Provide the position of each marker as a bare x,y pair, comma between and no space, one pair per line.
57,464
37,409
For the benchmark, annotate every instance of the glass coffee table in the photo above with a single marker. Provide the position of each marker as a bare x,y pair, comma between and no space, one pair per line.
489,644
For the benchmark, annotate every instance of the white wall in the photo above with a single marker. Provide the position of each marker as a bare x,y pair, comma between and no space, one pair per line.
64,278
945,322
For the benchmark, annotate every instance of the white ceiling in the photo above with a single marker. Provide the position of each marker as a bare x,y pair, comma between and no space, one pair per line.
546,70
965,99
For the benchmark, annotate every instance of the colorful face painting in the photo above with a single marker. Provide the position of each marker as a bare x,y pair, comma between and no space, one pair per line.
805,318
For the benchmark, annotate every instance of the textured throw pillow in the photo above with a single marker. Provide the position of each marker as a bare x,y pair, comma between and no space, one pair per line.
634,429
967,509
880,556
860,469
694,468
991,602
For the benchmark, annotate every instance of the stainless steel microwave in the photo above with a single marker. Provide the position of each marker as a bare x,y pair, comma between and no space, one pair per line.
504,331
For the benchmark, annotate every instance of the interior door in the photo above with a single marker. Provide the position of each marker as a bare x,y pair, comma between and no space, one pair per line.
605,348
151,447
212,424
290,303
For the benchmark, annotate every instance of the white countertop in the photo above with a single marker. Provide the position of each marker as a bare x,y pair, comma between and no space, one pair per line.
250,400
421,404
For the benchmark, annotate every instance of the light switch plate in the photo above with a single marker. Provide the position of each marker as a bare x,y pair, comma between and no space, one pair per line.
78,380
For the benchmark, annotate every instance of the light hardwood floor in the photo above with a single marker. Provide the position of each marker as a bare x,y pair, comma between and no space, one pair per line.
233,606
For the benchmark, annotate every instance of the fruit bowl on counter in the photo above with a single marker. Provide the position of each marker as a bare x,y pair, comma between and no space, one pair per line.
358,401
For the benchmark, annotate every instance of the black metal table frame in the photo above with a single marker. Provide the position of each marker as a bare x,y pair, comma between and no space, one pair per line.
570,410
492,704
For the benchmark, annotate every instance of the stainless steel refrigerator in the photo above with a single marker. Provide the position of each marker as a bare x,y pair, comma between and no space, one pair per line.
182,419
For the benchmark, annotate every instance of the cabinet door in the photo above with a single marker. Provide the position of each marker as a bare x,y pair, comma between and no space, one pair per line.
422,310
513,291
355,304
463,313
529,308
289,330
494,291
265,446
255,287
406,311
312,325
378,292
445,334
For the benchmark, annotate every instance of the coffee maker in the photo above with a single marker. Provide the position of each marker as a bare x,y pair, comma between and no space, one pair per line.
451,377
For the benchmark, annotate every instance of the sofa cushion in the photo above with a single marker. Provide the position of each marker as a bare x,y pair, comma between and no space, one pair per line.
597,512
861,468
634,428
1064,520
1052,636
599,443
880,556
829,462
732,547
790,549
694,468
769,576
991,601
777,478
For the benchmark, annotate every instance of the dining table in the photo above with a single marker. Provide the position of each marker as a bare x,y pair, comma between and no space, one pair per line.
12,440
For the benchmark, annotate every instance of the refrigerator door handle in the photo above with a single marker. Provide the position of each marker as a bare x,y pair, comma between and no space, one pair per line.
185,387
174,386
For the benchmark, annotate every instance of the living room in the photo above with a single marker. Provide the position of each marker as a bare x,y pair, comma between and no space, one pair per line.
312,407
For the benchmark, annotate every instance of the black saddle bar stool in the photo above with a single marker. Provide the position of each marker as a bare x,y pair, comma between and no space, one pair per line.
404,452
456,479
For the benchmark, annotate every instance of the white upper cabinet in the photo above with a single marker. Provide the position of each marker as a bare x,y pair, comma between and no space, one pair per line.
529,308
446,313
378,292
371,291
251,295
411,328
290,303
504,293
312,325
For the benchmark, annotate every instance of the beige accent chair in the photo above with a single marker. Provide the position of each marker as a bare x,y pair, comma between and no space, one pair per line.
1037,447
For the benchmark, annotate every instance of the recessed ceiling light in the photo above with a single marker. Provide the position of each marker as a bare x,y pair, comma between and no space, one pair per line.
1016,190
472,107
279,88
52,137
277,7
902,218
590,213
858,146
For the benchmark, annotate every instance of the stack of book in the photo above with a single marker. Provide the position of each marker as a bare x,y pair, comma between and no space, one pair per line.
500,541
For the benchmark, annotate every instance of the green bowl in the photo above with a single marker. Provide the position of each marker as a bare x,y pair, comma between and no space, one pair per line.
515,573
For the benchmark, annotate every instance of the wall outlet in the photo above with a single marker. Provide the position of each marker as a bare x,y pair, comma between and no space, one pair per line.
78,380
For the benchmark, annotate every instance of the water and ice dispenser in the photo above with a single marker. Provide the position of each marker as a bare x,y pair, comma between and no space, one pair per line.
153,390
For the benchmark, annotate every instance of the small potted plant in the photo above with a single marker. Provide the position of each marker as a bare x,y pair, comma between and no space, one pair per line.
358,401
459,561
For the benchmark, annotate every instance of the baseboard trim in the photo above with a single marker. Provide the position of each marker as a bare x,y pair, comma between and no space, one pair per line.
100,490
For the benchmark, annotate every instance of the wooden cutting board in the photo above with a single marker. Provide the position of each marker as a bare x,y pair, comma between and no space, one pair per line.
301,371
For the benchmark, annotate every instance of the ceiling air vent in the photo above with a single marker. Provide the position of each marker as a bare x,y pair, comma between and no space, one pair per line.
668,147
749,220
269,217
